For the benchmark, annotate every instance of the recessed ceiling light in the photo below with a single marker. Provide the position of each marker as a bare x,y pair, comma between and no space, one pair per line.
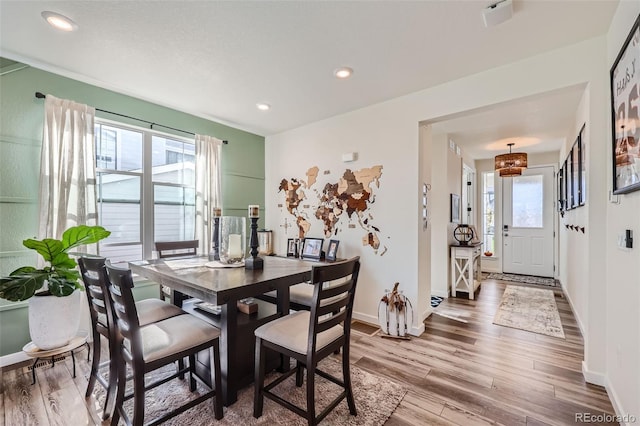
344,72
263,107
59,22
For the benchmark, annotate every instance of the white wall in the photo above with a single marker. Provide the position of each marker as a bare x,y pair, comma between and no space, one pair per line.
396,149
387,133
622,299
573,250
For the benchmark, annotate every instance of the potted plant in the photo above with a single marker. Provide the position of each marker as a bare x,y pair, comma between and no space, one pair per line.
54,313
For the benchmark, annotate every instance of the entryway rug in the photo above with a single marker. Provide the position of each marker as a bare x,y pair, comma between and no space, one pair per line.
529,309
526,279
376,399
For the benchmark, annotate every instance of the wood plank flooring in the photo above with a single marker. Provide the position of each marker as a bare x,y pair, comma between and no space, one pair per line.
463,370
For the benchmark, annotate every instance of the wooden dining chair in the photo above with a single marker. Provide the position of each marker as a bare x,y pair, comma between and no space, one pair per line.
309,337
173,250
96,285
147,348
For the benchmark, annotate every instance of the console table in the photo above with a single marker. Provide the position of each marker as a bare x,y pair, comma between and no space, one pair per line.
466,268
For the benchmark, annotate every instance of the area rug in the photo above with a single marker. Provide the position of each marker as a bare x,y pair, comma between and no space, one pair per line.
376,398
529,309
526,279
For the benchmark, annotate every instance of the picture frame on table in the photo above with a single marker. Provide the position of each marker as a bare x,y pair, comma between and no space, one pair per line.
312,248
455,208
292,248
332,250
625,115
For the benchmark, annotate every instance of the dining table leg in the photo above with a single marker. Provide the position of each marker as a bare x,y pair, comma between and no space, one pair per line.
229,362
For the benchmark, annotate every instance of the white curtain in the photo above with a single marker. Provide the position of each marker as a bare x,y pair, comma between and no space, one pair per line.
208,187
67,168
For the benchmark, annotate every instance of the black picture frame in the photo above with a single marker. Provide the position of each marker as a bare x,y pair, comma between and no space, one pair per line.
332,250
455,208
625,95
567,186
575,174
583,167
312,248
292,248
560,189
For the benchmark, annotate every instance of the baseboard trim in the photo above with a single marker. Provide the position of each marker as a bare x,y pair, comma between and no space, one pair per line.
593,377
438,293
415,330
623,417
12,359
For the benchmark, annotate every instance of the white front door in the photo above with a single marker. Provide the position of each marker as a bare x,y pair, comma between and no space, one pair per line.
527,227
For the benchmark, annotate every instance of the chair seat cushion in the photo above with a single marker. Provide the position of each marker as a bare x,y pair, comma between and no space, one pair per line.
302,294
154,310
174,335
292,332
150,310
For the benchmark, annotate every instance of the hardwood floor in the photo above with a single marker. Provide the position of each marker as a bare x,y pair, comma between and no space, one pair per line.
463,370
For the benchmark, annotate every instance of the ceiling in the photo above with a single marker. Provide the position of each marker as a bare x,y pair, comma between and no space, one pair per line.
218,59
534,124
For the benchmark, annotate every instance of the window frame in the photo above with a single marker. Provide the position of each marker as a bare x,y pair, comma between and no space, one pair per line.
485,194
147,185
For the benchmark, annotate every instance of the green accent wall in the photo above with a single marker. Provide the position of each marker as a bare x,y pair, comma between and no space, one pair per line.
21,124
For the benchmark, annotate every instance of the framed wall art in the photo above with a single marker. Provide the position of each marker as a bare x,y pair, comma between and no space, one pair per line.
455,208
583,167
560,190
575,174
625,117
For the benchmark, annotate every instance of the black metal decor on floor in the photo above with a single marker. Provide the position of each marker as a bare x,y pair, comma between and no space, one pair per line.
435,301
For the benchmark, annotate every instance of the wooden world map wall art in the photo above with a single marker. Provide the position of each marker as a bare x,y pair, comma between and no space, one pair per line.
336,205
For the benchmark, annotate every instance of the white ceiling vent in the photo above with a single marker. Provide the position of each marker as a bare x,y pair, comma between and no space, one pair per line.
497,13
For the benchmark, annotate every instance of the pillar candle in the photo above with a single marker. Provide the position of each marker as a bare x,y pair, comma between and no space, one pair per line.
217,212
254,210
235,246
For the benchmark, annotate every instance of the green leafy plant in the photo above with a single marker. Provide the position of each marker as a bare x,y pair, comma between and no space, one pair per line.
61,275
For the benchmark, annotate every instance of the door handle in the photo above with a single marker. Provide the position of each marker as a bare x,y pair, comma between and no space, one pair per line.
506,235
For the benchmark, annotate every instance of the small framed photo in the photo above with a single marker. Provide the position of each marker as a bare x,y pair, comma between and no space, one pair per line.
292,248
312,248
332,251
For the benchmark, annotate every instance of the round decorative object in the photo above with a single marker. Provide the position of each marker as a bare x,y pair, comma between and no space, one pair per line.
463,234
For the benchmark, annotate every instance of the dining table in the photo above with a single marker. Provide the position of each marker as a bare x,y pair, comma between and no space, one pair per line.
206,281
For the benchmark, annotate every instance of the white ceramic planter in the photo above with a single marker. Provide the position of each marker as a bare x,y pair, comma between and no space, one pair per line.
53,321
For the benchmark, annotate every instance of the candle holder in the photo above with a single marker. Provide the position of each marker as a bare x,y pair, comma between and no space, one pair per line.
254,262
214,254
232,239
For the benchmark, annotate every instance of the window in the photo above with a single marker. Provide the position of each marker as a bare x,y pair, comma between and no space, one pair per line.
146,190
527,202
488,211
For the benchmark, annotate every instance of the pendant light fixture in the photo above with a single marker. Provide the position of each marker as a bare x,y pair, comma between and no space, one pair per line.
511,164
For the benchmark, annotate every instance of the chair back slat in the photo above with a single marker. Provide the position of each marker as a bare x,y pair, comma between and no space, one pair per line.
169,249
332,321
121,283
94,276
335,300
